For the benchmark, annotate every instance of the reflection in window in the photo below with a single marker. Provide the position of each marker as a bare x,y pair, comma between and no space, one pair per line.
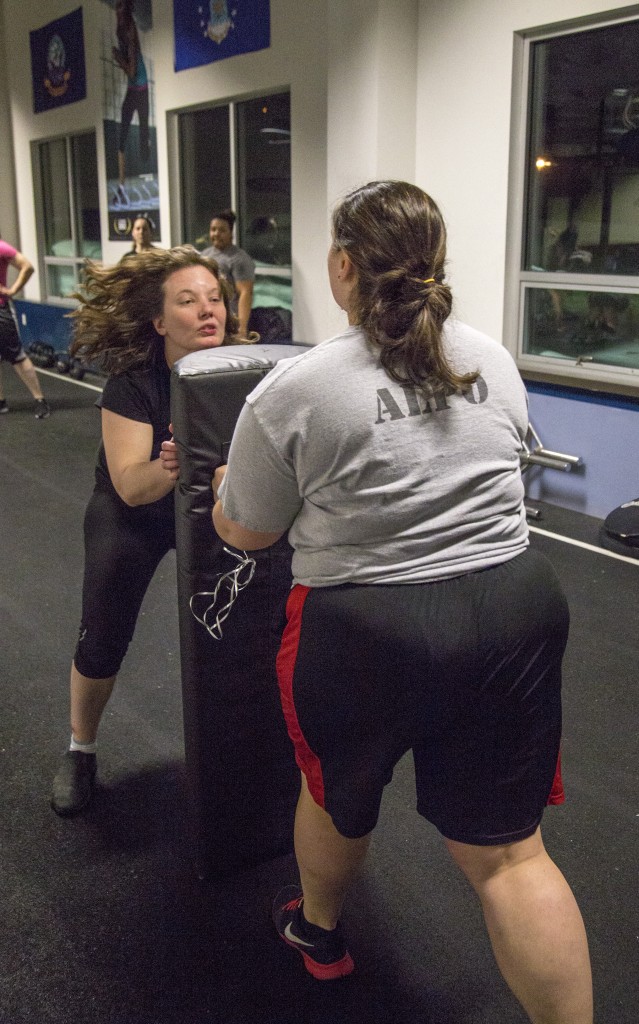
583,166
583,326
238,156
84,189
579,273
264,178
66,177
57,209
205,170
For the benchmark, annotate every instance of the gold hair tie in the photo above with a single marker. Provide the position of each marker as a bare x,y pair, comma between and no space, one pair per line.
429,280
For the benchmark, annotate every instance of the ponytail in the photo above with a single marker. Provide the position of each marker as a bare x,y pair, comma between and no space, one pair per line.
395,237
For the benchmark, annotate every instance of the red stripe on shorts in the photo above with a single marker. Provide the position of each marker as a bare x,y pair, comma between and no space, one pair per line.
307,761
557,795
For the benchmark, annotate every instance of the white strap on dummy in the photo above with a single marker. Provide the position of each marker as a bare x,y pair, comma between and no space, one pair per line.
227,587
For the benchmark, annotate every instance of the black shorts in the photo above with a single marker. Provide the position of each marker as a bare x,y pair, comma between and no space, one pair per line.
466,672
11,349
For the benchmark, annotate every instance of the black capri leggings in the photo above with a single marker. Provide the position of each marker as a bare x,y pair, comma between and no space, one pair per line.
122,552
135,99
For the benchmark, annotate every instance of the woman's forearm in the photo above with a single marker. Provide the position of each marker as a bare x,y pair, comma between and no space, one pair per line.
238,536
244,303
144,482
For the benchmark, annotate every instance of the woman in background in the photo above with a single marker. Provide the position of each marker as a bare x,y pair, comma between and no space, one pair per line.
141,235
11,350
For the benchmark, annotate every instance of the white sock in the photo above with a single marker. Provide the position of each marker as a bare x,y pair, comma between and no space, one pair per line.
86,748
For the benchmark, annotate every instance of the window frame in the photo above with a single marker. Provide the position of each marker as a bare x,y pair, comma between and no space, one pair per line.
577,372
77,261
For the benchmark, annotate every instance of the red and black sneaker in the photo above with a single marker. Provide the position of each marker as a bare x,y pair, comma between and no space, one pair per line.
324,952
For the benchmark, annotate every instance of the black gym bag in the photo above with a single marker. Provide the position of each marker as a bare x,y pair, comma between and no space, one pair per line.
620,530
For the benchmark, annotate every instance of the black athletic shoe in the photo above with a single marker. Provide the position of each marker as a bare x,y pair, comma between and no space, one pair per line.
42,409
324,953
3,407
73,784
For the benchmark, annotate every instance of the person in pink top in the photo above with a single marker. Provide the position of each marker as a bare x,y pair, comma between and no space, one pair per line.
11,350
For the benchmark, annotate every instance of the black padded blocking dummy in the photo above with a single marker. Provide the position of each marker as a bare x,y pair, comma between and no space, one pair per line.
241,774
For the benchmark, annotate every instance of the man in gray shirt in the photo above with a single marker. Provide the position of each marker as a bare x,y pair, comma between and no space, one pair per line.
235,265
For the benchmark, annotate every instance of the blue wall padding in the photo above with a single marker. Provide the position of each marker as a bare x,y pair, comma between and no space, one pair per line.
603,430
39,321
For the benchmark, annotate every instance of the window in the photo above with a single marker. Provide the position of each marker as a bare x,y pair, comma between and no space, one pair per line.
237,156
264,179
66,194
576,290
205,170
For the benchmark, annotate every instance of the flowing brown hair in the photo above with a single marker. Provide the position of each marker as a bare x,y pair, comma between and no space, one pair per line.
395,236
114,322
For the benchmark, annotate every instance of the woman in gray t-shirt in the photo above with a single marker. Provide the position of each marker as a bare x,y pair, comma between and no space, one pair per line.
420,619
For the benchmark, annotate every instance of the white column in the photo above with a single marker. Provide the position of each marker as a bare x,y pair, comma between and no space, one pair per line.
8,197
371,95
372,77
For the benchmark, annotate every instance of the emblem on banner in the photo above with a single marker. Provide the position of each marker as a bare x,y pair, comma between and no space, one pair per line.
220,20
57,81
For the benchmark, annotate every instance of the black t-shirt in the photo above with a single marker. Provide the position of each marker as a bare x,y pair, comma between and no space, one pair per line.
143,395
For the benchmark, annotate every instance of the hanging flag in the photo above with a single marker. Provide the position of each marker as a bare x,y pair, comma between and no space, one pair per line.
209,30
58,70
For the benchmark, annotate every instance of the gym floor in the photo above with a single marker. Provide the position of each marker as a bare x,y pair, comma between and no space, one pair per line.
103,919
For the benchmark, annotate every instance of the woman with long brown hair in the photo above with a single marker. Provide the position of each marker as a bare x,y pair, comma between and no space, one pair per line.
141,236
135,320
420,618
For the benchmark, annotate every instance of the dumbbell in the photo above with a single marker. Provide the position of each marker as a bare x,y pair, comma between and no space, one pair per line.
63,362
48,355
77,370
33,351
42,354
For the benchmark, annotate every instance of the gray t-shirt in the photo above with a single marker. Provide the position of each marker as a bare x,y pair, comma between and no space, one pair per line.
234,263
377,483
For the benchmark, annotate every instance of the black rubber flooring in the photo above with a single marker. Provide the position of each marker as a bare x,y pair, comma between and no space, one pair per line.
103,919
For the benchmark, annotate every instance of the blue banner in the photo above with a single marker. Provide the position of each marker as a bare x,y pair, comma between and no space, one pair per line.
205,32
58,70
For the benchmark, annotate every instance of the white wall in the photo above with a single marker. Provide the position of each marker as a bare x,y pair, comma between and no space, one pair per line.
463,133
371,97
8,208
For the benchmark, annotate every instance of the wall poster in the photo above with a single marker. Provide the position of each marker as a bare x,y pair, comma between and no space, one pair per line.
128,101
58,71
205,32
